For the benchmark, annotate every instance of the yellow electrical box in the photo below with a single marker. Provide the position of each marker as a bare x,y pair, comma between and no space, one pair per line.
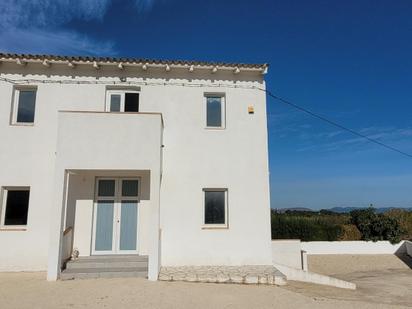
251,109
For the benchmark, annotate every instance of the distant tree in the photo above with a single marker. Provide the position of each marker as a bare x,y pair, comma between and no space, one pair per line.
363,219
373,226
404,217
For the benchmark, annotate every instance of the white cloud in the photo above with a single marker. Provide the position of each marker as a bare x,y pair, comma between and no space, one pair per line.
57,42
28,13
39,26
344,141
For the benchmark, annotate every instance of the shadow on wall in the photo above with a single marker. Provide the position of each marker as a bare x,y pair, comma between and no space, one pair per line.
82,189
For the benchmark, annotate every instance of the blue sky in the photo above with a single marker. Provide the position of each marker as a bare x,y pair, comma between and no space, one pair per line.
350,61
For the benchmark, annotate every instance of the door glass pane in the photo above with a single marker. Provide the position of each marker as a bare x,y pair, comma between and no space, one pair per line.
130,187
214,111
104,225
128,225
26,106
115,102
106,187
131,103
214,207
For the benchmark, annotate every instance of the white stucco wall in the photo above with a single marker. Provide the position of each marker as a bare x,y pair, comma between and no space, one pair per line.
193,158
27,159
234,158
287,252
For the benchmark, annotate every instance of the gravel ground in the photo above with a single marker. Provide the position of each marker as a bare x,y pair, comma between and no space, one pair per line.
31,290
346,263
383,281
380,279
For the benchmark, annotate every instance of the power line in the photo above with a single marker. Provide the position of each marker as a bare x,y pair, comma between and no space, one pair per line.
331,122
225,85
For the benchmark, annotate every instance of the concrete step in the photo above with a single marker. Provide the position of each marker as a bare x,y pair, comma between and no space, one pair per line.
100,264
106,266
113,257
87,273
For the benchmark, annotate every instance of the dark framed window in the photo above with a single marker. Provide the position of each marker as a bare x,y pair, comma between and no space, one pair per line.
122,101
131,102
24,105
15,206
215,207
215,111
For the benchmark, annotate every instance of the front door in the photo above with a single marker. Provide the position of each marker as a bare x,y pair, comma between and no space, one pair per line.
115,216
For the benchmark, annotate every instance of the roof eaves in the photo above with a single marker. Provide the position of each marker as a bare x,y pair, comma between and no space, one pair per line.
138,61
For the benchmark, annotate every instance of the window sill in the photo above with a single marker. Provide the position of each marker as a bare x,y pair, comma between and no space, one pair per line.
215,227
215,128
22,124
13,229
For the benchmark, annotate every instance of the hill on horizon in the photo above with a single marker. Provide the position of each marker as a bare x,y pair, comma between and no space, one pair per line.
340,209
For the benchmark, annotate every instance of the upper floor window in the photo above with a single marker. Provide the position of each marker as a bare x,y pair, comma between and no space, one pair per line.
122,101
15,206
24,105
215,111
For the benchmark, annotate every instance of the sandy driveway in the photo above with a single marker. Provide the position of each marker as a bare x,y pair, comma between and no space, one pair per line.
380,279
31,290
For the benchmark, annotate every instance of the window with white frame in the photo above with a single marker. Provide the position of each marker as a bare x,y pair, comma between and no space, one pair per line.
215,207
122,101
215,111
24,105
15,206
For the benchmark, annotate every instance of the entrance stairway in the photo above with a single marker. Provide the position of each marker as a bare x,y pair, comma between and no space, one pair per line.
106,266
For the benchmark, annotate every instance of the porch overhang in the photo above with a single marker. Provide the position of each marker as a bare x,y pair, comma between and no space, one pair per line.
105,144
106,140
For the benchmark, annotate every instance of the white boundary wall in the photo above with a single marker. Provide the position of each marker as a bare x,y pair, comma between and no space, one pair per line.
287,252
408,247
289,256
353,247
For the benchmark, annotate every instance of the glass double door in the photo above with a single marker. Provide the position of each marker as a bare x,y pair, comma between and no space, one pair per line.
115,218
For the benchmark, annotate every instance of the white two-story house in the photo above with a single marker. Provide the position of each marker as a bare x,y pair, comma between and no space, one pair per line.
115,156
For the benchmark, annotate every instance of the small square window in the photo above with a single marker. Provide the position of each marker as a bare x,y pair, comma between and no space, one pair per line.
215,111
215,207
24,105
122,101
15,206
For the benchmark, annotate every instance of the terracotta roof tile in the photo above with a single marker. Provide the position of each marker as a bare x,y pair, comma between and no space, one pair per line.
261,66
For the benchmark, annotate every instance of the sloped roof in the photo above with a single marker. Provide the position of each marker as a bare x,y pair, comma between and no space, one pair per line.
130,61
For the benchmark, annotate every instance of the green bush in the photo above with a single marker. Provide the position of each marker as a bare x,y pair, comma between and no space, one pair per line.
306,228
325,225
350,232
404,218
375,226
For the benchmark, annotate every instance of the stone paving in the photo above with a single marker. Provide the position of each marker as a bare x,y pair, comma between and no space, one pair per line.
265,274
